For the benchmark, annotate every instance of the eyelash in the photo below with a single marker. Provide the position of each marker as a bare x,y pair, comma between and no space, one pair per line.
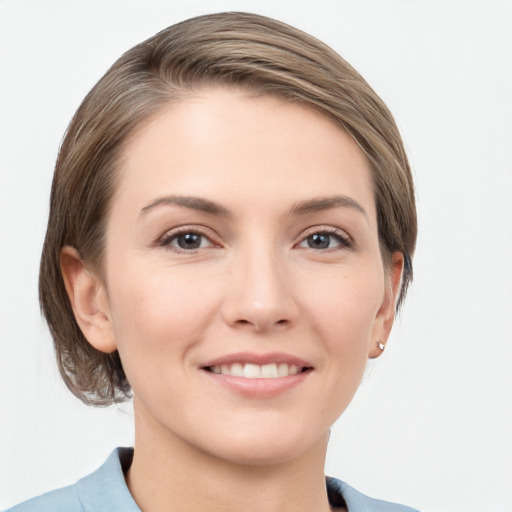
344,240
167,239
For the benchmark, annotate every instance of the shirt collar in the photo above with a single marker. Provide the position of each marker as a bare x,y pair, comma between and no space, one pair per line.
107,486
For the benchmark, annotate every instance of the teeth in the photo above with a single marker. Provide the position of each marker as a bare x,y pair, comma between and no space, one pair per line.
256,371
294,369
283,370
269,371
252,371
237,370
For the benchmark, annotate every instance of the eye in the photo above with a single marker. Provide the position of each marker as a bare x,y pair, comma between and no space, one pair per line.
189,241
185,241
326,239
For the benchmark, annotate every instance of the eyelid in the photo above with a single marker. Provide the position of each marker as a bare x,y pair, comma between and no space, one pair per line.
346,240
165,239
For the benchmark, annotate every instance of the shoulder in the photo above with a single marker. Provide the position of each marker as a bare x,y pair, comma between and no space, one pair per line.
64,499
101,491
341,493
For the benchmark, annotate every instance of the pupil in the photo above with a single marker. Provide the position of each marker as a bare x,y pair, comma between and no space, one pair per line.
189,241
319,241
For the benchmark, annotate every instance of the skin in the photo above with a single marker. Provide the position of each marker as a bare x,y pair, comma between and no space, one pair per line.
257,284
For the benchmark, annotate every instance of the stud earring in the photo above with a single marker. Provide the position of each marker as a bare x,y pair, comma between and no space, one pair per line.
381,345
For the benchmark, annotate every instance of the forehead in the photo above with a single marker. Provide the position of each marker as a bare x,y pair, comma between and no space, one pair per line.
236,145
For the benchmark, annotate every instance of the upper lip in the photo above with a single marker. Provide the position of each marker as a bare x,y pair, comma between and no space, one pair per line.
259,359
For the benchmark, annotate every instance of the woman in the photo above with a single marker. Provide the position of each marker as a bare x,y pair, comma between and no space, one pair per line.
231,230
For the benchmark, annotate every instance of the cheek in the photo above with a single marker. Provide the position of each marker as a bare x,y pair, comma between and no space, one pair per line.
343,307
344,314
159,313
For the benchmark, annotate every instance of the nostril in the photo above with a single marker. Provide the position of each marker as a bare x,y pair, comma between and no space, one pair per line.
242,322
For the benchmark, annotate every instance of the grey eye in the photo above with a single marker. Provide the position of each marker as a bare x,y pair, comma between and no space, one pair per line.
325,240
319,241
189,241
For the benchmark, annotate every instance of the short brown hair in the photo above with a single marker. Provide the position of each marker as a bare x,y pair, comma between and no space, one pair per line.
239,49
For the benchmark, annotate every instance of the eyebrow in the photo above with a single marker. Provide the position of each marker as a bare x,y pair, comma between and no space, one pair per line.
301,208
324,203
193,203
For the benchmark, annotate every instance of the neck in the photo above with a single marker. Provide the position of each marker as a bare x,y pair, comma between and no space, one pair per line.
169,474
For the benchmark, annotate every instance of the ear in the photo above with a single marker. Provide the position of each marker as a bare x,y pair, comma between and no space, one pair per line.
88,299
386,314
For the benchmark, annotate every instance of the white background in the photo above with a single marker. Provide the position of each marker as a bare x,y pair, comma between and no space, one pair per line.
432,424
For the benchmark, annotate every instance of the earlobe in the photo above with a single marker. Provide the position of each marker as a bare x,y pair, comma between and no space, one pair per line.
386,314
88,299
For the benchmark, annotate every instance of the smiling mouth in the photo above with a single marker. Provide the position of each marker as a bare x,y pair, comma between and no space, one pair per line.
256,371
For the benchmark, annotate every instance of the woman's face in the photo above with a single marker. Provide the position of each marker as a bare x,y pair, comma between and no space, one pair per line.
244,279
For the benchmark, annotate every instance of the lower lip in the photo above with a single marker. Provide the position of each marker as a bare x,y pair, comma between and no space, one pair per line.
258,388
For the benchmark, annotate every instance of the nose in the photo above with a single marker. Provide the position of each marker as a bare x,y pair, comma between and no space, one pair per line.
259,293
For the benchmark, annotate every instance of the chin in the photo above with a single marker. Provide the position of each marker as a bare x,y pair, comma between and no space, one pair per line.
267,446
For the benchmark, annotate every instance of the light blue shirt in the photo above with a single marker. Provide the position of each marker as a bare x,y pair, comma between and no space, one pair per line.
105,490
